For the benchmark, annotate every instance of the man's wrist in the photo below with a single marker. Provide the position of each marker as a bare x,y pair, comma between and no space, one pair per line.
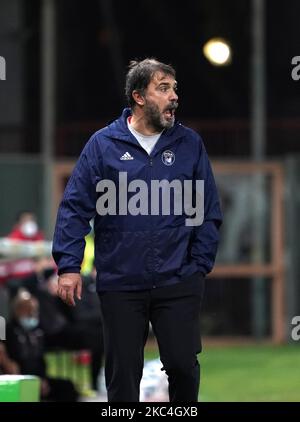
73,270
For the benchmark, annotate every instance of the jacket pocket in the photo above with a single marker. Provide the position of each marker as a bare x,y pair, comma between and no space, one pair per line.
124,257
172,249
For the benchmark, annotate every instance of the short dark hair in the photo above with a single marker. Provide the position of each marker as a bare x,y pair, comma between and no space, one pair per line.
140,74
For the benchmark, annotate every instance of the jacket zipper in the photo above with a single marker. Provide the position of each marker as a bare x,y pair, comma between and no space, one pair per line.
151,224
152,241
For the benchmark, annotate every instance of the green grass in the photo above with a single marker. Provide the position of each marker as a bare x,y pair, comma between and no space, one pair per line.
232,374
252,374
248,373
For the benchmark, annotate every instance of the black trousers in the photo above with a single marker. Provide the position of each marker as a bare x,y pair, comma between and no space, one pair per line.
174,312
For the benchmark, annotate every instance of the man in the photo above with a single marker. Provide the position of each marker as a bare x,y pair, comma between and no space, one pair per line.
7,366
25,345
26,228
67,328
150,257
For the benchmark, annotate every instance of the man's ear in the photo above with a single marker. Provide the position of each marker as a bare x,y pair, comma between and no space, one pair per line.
138,98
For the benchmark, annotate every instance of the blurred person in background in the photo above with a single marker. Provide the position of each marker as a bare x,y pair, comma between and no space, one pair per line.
149,267
25,345
7,365
65,328
26,228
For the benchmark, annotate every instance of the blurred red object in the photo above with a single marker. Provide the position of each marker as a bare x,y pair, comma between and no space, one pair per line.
18,268
18,235
83,357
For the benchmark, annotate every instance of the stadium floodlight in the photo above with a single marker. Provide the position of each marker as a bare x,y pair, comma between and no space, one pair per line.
217,51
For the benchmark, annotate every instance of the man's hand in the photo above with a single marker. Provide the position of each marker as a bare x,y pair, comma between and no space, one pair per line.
68,284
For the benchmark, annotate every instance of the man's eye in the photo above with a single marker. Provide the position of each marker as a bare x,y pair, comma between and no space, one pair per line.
163,88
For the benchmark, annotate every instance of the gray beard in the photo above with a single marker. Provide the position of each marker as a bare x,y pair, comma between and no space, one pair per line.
154,118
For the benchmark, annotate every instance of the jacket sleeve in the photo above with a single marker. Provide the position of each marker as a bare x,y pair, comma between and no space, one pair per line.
77,208
206,236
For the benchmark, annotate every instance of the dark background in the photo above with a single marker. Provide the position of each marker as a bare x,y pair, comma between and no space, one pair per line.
90,82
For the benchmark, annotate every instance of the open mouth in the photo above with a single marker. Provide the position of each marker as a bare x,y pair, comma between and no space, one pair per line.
169,113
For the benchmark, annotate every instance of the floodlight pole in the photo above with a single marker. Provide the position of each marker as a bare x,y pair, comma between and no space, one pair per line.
258,146
47,131
258,100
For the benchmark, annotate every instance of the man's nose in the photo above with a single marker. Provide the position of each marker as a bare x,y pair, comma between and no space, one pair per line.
173,95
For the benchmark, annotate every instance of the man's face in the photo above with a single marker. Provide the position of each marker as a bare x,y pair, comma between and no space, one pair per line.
161,101
28,225
25,217
27,309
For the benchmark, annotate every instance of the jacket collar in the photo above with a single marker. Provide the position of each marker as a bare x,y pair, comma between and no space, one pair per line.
118,129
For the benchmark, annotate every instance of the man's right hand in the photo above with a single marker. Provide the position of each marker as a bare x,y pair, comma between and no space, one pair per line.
68,284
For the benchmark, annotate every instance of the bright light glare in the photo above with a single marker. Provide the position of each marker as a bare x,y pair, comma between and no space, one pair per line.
217,51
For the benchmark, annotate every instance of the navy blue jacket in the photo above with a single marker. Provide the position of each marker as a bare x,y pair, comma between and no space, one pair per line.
134,252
